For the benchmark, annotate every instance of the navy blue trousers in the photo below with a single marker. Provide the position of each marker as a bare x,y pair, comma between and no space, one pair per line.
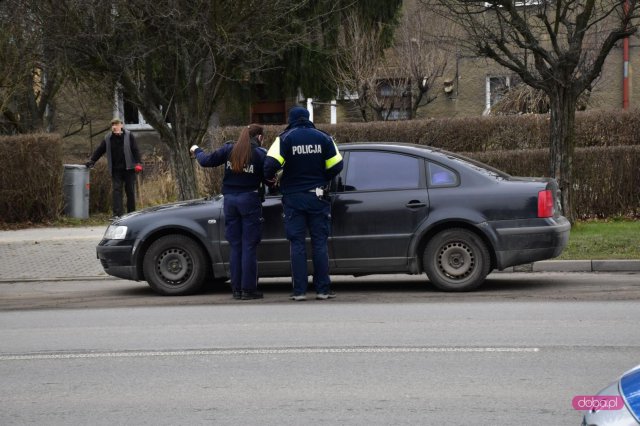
243,231
303,210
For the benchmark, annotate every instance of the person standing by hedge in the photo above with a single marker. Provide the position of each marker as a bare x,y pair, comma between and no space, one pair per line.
241,183
123,159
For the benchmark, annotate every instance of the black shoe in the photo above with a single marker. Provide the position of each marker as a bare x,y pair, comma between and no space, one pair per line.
237,295
250,295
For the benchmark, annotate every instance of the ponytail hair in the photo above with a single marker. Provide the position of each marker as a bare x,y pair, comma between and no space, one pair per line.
241,153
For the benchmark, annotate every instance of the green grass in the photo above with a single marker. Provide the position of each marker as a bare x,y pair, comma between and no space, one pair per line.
611,239
97,219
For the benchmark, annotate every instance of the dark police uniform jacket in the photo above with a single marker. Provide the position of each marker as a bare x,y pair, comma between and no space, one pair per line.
311,156
233,183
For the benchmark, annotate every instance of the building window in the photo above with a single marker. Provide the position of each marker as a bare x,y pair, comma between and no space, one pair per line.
128,111
497,87
396,114
347,95
395,98
523,3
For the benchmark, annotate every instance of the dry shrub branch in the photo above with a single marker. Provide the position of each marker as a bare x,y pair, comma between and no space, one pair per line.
31,173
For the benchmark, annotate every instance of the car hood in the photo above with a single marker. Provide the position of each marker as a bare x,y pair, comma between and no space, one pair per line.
630,390
168,209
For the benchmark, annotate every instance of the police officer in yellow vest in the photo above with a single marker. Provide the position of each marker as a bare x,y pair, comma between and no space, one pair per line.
309,159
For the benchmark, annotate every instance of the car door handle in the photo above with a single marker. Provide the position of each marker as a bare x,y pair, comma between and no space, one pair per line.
415,204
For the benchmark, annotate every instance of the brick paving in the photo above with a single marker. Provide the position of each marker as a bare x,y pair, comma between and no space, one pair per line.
50,254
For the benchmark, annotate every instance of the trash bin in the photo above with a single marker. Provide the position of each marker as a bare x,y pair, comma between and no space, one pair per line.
75,183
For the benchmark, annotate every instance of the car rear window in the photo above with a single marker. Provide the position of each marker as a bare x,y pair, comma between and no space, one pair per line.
478,166
371,170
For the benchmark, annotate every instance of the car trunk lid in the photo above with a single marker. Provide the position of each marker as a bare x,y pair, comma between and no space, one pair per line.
549,196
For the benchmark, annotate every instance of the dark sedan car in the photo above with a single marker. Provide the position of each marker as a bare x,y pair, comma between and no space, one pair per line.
396,208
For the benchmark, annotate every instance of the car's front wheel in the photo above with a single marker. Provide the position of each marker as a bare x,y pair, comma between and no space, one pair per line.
175,265
456,260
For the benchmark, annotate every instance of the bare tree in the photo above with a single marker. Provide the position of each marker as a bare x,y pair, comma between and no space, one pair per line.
173,59
419,54
400,80
358,71
558,47
31,73
393,94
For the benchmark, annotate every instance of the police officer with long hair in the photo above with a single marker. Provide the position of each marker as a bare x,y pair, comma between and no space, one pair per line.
243,176
309,159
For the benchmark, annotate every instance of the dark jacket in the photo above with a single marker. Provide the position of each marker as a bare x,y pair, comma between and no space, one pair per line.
129,146
233,183
309,157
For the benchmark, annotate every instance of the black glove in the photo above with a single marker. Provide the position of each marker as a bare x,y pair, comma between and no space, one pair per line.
89,164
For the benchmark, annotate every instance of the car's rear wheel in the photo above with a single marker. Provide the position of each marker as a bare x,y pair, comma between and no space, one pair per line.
175,265
456,260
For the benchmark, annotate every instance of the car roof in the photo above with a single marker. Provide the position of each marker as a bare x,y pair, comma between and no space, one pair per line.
407,148
399,146
436,154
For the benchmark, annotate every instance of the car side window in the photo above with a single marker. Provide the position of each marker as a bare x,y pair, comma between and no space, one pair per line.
370,170
441,176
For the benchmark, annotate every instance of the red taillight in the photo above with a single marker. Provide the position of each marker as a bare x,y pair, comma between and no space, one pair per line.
545,203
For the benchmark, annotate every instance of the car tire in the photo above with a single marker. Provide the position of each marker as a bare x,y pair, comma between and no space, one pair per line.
175,265
456,260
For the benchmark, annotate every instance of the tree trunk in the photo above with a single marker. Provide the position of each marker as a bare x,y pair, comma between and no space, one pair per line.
183,170
363,112
182,163
561,145
416,102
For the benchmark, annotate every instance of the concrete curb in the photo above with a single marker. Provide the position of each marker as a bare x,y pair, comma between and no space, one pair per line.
576,266
55,279
614,265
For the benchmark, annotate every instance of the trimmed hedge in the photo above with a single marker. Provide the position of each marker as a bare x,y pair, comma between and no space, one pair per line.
606,164
477,134
31,173
606,180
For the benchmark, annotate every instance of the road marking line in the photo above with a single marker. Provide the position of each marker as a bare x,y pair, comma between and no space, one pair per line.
265,351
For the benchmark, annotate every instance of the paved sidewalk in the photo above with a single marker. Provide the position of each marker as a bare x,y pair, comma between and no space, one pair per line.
41,254
49,254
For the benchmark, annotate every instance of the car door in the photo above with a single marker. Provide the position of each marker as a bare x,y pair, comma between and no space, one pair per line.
381,199
273,250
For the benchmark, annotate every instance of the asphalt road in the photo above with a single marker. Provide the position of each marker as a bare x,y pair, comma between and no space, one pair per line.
385,352
371,289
